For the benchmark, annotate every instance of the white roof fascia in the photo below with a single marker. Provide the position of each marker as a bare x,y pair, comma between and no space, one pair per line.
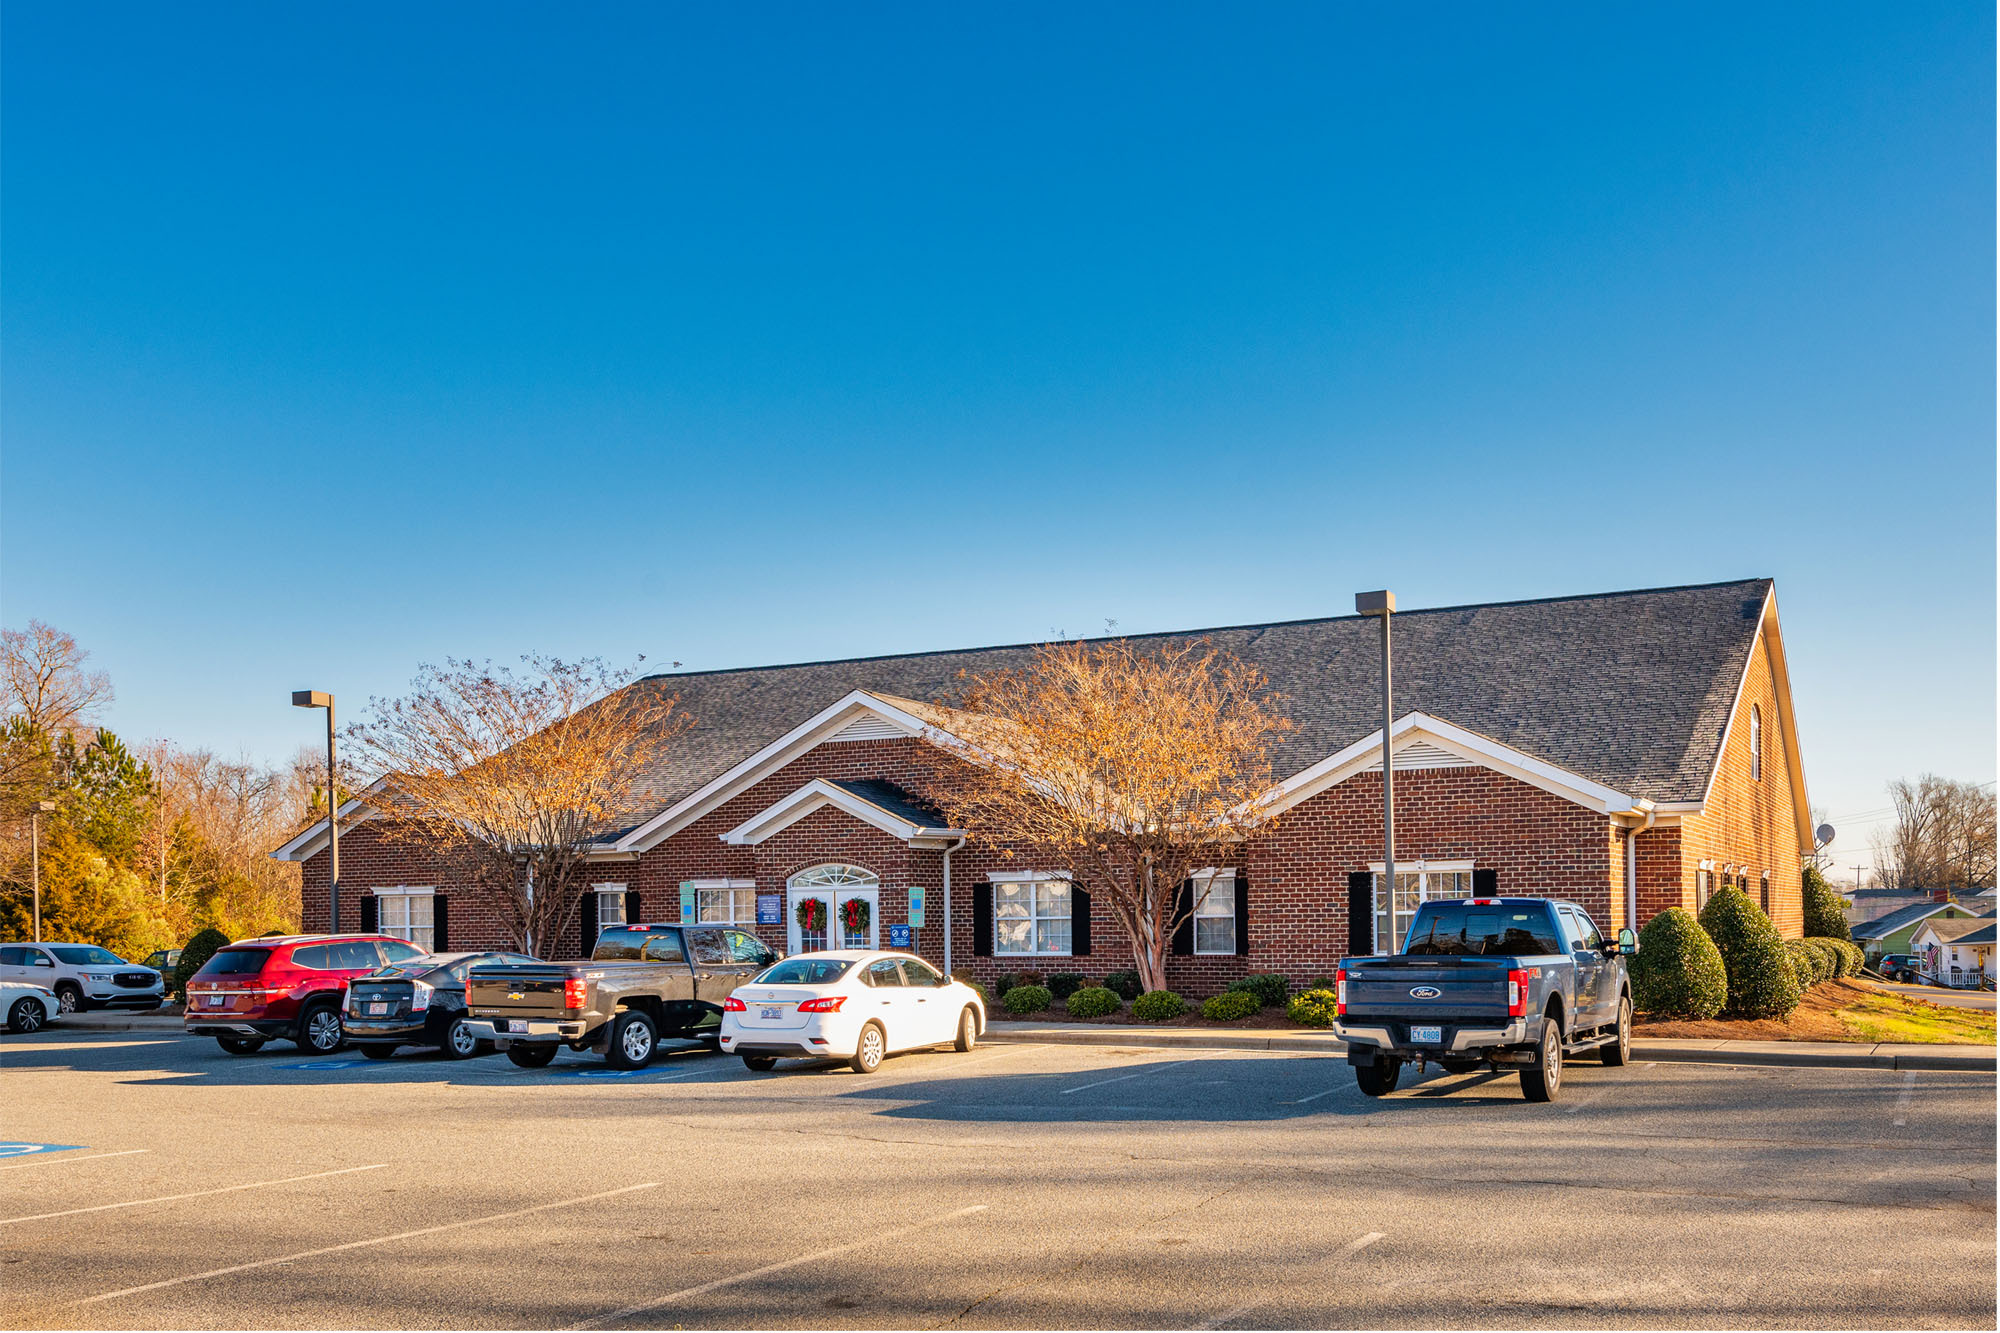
817,795
1481,750
307,843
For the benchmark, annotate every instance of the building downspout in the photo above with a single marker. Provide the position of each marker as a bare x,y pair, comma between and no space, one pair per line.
947,903
1632,869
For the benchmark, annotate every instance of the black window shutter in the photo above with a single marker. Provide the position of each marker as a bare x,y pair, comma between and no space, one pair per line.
1184,909
634,912
1079,921
1485,883
1242,914
586,916
367,915
982,920
440,923
1361,913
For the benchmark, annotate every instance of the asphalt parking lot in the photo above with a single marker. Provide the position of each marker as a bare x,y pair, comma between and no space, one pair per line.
1017,1186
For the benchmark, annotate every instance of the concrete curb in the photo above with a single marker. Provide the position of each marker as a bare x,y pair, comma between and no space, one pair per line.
1784,1054
103,1022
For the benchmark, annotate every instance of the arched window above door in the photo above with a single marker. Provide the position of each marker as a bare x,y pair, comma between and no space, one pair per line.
834,876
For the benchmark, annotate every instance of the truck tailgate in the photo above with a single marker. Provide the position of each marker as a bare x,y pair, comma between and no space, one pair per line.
1419,988
516,990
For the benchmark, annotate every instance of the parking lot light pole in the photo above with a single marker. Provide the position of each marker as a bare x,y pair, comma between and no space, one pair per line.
1383,604
321,699
35,857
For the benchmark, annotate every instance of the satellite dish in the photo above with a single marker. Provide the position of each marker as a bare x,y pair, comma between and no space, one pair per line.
1823,834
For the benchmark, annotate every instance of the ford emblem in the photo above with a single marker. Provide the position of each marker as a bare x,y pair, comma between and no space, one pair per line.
1424,992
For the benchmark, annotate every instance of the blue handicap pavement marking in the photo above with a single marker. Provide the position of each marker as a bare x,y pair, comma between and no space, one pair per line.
328,1064
587,1071
29,1149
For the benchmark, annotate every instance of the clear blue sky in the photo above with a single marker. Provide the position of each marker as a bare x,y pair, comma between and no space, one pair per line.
337,338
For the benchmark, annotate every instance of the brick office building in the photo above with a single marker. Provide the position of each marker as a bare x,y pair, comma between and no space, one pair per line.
1631,751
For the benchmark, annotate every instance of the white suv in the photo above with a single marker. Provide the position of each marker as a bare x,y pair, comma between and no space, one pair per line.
83,976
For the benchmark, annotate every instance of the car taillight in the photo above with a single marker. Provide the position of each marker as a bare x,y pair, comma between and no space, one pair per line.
1340,993
826,1004
1517,993
734,1006
574,993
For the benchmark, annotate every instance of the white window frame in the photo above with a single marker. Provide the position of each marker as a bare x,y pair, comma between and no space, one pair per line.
1034,879
1704,884
604,891
1756,743
406,932
1211,887
1423,870
740,891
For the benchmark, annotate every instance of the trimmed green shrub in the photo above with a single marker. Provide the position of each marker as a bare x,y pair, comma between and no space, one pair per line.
1126,985
1157,1006
1062,985
1230,1006
1313,1008
1322,983
1850,951
1826,918
1093,1002
1678,971
1270,988
194,955
1005,982
1027,999
1835,962
1761,981
1806,964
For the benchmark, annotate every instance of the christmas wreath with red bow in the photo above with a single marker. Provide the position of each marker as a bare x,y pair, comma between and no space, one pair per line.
811,914
854,915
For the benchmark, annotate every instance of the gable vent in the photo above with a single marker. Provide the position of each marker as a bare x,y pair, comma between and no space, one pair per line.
1422,754
868,727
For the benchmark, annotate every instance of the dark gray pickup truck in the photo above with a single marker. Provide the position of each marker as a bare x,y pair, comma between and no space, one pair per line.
641,983
1495,983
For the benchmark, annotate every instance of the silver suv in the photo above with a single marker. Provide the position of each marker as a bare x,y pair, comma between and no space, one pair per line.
83,976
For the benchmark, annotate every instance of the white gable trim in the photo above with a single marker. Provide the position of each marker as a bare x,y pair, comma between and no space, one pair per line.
817,795
820,727
1435,734
1770,639
314,838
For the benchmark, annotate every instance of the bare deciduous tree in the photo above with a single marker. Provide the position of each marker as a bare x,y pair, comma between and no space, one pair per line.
513,775
44,680
1943,837
1131,767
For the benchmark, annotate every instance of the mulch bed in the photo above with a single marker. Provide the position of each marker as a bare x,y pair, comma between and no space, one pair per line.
1816,1019
1263,1018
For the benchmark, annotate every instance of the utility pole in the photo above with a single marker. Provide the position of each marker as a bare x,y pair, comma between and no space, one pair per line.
1383,604
1857,876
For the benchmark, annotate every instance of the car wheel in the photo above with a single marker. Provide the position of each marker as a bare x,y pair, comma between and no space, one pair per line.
241,1045
1378,1079
968,1030
459,1043
376,1050
320,1031
1618,1051
868,1052
532,1055
1543,1080
632,1041
760,1064
69,997
27,1015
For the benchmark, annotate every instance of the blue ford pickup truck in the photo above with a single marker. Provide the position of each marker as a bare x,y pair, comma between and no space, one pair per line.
1495,983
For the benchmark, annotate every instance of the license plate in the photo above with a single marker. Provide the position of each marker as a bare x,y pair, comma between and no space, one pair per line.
771,1012
376,1008
1431,1036
217,1001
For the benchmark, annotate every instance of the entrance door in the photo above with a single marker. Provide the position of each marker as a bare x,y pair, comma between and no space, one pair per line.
848,915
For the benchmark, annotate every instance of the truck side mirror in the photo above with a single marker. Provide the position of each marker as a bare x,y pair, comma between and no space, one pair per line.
1628,943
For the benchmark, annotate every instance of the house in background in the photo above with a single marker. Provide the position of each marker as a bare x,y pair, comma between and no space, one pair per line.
1896,931
1956,951
1631,751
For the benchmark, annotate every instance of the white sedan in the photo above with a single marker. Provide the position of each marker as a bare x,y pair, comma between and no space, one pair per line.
26,1007
853,1005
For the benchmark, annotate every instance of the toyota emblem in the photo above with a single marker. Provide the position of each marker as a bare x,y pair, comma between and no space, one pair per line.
1424,992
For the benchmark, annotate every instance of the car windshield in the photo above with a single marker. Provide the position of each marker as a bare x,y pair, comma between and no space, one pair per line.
236,962
86,954
1461,929
416,967
806,972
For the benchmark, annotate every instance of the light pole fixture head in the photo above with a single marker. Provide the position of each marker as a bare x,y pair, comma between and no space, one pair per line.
311,699
45,807
1381,603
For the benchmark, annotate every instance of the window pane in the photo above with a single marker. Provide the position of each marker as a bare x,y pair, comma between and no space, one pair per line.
1012,900
1052,898
1215,935
419,911
1218,899
611,908
1052,936
1013,937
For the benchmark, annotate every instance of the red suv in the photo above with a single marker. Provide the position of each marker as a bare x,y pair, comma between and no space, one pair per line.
284,987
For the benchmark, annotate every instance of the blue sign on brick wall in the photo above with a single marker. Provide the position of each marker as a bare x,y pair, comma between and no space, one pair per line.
770,910
899,937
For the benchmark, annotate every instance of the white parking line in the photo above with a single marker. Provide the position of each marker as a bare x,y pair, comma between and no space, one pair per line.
686,1292
197,1194
1355,1247
1315,1097
1903,1097
1149,1069
361,1244
93,1157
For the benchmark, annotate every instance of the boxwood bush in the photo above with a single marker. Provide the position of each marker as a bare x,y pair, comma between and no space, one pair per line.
1093,1002
1826,918
1833,960
1678,971
1270,988
1851,951
1313,1008
1761,981
1806,964
1027,999
1229,1006
1125,985
194,954
1157,1006
1062,985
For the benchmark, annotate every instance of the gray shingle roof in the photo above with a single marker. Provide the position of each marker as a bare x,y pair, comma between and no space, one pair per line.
1956,928
1632,689
1884,926
893,799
